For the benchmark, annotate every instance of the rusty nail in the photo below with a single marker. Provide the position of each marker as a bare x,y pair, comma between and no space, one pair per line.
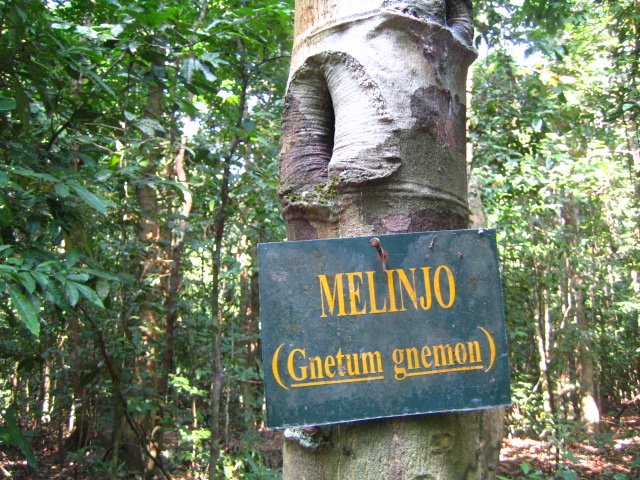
375,243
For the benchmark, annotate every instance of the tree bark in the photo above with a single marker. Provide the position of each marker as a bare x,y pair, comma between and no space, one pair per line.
374,142
492,429
219,223
152,271
589,411
175,252
543,334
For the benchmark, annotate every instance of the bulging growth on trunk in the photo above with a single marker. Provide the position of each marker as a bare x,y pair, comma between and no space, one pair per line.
374,122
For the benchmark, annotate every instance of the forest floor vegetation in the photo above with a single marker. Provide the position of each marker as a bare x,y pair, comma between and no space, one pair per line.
613,454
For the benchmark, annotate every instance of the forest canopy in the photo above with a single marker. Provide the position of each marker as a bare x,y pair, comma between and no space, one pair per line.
139,145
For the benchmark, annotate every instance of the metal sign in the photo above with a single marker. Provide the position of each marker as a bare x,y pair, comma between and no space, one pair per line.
372,327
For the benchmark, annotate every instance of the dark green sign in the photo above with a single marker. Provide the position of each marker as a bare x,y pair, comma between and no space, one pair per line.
372,327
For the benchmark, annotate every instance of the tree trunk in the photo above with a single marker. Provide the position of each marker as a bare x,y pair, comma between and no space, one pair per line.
492,429
374,143
152,272
589,411
543,333
175,252
219,223
248,346
429,446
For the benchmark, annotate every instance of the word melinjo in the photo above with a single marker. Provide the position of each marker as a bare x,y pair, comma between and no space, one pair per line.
414,290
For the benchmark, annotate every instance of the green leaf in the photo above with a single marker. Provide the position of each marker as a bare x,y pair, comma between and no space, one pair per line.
54,294
15,260
41,278
71,259
102,274
188,65
62,190
11,434
103,175
27,172
95,202
149,126
78,277
26,311
89,294
537,124
98,81
117,29
205,71
155,19
73,295
7,104
27,281
102,288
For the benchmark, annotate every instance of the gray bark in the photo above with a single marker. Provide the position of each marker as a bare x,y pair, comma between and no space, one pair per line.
374,122
492,429
589,411
374,142
425,447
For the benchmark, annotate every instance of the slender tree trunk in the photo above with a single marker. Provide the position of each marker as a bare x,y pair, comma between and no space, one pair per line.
373,143
46,392
152,269
249,346
589,411
79,421
215,391
178,172
219,223
492,428
543,332
175,271
631,120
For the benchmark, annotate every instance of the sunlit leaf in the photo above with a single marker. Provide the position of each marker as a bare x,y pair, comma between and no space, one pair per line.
7,104
25,310
95,202
89,294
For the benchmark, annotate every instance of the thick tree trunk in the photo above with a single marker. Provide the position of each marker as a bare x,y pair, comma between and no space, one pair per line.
429,446
374,142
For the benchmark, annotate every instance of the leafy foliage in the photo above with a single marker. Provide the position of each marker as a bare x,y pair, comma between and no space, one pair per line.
557,162
114,116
